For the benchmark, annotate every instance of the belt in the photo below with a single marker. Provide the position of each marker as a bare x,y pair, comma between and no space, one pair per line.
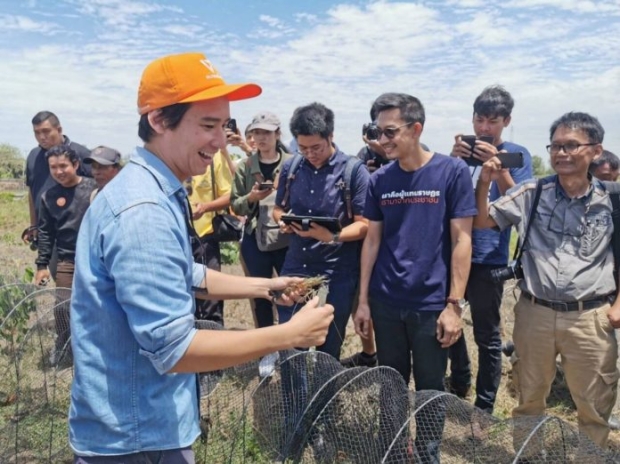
565,306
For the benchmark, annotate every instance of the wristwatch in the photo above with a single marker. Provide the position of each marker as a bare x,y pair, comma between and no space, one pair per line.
458,302
335,238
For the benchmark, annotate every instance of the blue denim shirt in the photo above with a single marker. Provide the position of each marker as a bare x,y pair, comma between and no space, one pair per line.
132,316
319,192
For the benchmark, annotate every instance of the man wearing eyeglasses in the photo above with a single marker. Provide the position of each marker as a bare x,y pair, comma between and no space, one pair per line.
416,256
317,190
491,115
568,303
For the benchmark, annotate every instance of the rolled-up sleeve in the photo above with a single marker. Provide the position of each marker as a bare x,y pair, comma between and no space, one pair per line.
508,210
146,250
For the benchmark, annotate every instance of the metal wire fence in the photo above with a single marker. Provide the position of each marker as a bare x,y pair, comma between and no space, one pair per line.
291,406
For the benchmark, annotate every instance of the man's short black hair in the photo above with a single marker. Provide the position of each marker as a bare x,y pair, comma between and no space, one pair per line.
411,109
580,122
63,150
312,119
606,157
494,101
171,117
43,116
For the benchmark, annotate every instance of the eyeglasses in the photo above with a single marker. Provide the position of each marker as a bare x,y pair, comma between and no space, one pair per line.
390,132
314,150
569,148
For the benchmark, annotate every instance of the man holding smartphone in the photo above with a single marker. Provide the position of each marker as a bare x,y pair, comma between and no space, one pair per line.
492,114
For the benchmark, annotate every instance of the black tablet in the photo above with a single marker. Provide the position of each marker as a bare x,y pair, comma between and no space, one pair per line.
330,223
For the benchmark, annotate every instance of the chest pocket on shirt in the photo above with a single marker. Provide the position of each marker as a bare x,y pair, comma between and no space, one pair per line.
595,228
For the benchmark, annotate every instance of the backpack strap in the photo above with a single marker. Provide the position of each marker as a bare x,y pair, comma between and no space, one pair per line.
350,173
297,159
613,188
519,249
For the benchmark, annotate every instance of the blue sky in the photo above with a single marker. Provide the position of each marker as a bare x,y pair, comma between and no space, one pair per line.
82,59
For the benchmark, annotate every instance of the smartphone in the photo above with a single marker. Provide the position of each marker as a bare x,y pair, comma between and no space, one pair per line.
232,125
511,160
266,186
471,139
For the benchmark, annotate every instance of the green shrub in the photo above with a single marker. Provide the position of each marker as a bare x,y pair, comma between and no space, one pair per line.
230,252
13,328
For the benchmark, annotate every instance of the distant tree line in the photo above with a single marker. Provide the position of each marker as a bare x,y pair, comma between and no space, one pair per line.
12,162
540,168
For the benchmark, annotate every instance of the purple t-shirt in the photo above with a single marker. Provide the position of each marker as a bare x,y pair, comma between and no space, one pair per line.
413,264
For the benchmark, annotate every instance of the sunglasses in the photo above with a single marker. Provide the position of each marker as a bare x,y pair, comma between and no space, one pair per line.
389,132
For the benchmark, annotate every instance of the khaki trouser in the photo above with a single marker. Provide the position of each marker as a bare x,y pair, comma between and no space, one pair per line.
587,346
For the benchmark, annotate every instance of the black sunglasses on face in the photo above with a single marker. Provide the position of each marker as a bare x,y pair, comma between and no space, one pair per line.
389,132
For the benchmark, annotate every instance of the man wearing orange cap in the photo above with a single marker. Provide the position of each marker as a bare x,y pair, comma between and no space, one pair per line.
136,351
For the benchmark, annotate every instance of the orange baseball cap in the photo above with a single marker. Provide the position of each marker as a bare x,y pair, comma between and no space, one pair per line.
186,78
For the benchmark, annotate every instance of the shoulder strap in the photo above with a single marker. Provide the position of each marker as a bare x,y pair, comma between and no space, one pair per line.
613,188
350,173
530,219
213,184
297,159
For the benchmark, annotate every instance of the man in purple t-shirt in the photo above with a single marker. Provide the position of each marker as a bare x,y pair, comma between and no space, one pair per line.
417,253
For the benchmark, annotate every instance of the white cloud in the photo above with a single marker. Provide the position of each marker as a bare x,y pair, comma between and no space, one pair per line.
574,6
122,14
183,30
26,24
276,30
307,17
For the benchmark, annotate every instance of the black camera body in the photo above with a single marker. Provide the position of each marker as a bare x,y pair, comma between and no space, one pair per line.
514,270
232,125
371,131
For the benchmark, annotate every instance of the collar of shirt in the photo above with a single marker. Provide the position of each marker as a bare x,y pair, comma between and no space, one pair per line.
255,160
168,182
561,194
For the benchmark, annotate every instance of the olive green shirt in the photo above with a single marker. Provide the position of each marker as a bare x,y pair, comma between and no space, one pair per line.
247,174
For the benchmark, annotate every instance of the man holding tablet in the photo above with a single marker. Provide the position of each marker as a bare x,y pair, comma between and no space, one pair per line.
318,187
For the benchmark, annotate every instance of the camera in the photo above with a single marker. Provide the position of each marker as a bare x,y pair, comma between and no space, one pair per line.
512,271
371,131
232,125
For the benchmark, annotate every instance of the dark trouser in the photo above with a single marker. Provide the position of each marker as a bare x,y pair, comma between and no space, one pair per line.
207,252
401,334
485,300
175,456
64,283
261,264
342,293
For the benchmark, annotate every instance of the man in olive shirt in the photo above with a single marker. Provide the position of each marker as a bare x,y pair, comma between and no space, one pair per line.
568,303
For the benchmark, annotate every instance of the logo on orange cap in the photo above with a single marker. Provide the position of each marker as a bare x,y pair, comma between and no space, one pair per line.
182,79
